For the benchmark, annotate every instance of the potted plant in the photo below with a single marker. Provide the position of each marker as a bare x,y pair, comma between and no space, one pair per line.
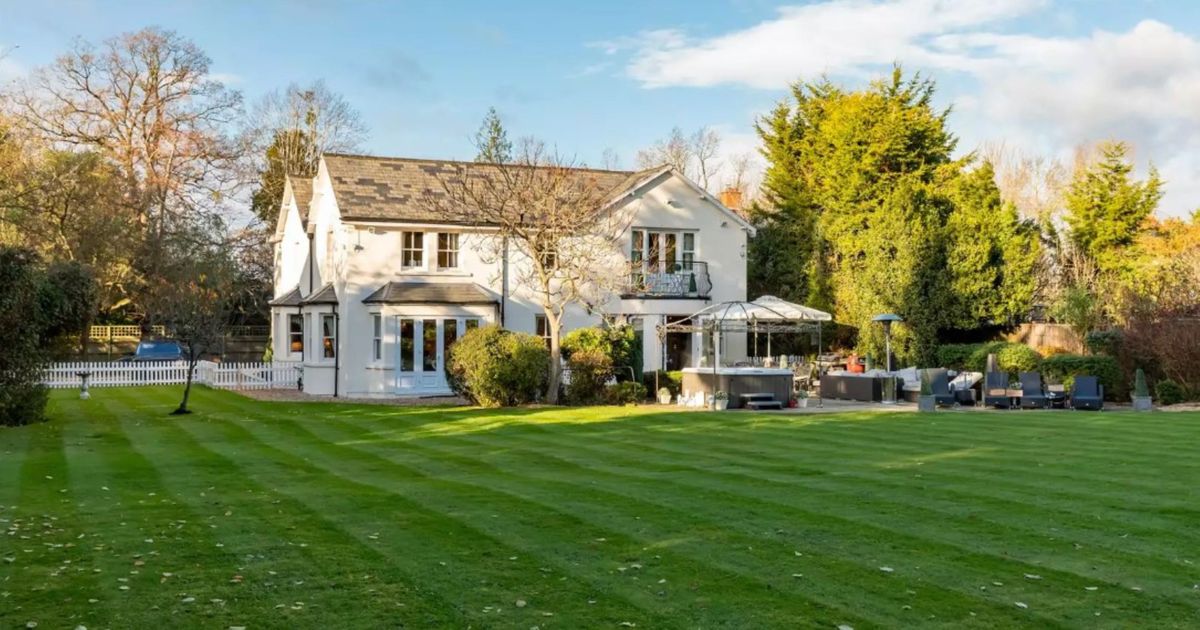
802,399
1141,393
926,400
664,396
721,399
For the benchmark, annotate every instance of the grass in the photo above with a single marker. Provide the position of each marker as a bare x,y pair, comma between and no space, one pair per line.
327,515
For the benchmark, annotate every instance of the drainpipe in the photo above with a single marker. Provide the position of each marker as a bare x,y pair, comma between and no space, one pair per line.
337,348
503,279
311,262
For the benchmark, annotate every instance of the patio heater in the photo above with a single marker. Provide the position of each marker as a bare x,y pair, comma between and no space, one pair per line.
889,387
886,319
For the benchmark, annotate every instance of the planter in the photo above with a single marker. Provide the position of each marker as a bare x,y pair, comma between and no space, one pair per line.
1142,403
802,403
926,403
722,404
664,398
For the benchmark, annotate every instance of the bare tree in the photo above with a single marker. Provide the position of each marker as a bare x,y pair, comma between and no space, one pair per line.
675,150
147,102
557,221
610,160
705,143
303,123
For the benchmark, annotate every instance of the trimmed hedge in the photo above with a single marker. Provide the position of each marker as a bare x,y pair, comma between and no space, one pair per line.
1011,357
618,342
1064,368
493,367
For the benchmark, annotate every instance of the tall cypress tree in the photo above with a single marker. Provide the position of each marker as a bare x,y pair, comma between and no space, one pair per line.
492,140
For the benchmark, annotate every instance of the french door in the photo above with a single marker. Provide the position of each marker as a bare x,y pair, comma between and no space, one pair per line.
422,344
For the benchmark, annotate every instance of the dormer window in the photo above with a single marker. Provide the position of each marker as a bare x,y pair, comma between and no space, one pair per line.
412,251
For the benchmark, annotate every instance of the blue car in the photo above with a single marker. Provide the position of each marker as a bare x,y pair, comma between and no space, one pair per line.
156,350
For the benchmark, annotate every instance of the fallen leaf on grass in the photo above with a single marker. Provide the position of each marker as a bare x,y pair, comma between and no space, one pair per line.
886,569
1022,605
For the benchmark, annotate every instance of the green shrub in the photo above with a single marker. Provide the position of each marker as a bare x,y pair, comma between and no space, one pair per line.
1011,357
1169,392
23,324
1063,368
493,367
1103,342
1139,384
956,356
627,393
590,370
618,343
671,379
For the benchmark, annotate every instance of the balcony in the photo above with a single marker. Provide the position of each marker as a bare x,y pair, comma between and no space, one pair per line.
672,281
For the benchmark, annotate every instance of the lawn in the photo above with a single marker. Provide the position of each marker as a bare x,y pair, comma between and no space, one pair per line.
327,515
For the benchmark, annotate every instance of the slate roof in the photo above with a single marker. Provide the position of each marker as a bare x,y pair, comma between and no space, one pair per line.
302,188
396,189
291,298
430,293
326,295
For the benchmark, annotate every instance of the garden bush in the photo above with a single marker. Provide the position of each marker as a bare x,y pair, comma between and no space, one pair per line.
671,379
22,324
627,393
493,367
1063,368
1011,357
1169,392
590,370
619,343
1103,342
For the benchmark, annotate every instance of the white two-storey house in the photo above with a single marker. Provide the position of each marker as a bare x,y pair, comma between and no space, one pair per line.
371,289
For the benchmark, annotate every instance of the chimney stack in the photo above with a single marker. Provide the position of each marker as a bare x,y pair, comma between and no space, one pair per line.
732,198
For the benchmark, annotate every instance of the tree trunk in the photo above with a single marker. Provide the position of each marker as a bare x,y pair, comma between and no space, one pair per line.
554,323
187,388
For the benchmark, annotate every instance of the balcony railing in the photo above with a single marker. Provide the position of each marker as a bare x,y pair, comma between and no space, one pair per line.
674,280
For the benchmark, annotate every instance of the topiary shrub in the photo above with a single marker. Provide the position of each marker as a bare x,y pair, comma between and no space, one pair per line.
1015,358
1140,390
627,393
22,325
1169,392
1063,368
590,370
493,367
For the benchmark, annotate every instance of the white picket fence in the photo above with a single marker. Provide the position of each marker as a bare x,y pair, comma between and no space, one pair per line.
276,375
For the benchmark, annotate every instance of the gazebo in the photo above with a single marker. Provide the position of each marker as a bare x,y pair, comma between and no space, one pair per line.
768,314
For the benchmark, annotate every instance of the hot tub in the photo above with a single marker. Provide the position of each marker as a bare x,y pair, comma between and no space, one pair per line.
736,381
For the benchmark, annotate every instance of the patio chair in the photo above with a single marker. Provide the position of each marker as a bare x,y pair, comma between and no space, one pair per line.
995,390
1087,393
1033,395
939,382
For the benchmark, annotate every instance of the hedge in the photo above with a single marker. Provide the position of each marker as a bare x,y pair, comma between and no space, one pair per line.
672,380
590,370
1011,357
1063,368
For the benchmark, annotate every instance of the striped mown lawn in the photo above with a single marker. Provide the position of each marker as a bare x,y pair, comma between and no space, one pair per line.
297,515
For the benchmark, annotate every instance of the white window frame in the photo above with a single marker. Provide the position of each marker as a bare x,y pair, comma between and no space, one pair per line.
289,336
377,338
451,251
333,338
540,321
412,248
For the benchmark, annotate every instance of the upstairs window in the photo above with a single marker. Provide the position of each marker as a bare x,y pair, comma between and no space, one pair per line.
687,254
412,250
447,256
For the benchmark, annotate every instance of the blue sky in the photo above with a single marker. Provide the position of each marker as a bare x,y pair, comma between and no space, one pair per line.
1040,75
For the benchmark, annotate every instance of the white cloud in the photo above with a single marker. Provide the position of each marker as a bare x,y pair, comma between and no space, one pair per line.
1042,93
835,37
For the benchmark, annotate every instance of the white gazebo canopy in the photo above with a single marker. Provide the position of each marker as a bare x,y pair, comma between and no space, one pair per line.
778,309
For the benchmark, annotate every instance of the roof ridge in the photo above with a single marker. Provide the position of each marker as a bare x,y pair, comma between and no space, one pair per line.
364,156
